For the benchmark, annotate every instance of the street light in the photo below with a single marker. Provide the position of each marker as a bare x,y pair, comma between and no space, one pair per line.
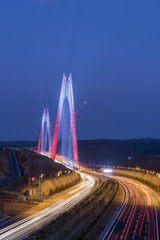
40,177
29,192
32,178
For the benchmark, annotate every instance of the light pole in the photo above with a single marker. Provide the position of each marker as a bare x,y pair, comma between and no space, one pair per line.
40,199
40,177
30,179
29,192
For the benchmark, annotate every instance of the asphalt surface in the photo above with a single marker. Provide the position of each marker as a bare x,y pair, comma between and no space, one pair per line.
139,215
14,169
64,202
137,218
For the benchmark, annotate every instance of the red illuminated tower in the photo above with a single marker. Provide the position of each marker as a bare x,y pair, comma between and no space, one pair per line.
66,92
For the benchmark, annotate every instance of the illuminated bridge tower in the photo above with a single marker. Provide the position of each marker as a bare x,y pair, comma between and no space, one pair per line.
65,127
44,143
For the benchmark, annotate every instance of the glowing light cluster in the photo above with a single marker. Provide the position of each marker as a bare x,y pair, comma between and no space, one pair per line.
107,170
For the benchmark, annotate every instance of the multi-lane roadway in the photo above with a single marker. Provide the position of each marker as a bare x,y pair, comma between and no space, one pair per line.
138,215
65,201
14,169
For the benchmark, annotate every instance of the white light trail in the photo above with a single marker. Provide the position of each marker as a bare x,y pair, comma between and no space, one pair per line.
26,226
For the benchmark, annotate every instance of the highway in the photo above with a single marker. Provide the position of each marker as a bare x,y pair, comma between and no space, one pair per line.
138,216
14,169
67,200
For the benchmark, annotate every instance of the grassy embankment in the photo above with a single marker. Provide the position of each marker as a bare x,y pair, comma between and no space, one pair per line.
49,187
149,179
55,185
56,178
81,221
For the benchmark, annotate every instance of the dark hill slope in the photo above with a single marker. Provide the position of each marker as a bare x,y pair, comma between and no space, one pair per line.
106,151
111,151
149,163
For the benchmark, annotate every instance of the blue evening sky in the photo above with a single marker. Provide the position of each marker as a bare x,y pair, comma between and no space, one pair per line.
112,49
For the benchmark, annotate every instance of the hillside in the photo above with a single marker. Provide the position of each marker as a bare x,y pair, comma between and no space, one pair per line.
4,163
112,151
149,163
106,151
31,165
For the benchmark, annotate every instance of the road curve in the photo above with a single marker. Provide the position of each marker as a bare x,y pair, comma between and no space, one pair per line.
22,228
14,169
138,217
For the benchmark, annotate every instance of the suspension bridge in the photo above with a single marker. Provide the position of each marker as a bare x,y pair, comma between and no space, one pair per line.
62,144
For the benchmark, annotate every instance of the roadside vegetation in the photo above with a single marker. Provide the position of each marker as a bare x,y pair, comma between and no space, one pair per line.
59,183
147,177
81,221
14,204
55,178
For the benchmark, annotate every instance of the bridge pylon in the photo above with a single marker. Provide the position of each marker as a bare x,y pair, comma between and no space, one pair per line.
44,144
66,95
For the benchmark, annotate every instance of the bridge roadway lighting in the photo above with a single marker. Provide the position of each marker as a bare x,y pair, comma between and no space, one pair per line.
107,170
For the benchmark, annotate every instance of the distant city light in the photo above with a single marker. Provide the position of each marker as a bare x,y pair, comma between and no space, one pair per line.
107,170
